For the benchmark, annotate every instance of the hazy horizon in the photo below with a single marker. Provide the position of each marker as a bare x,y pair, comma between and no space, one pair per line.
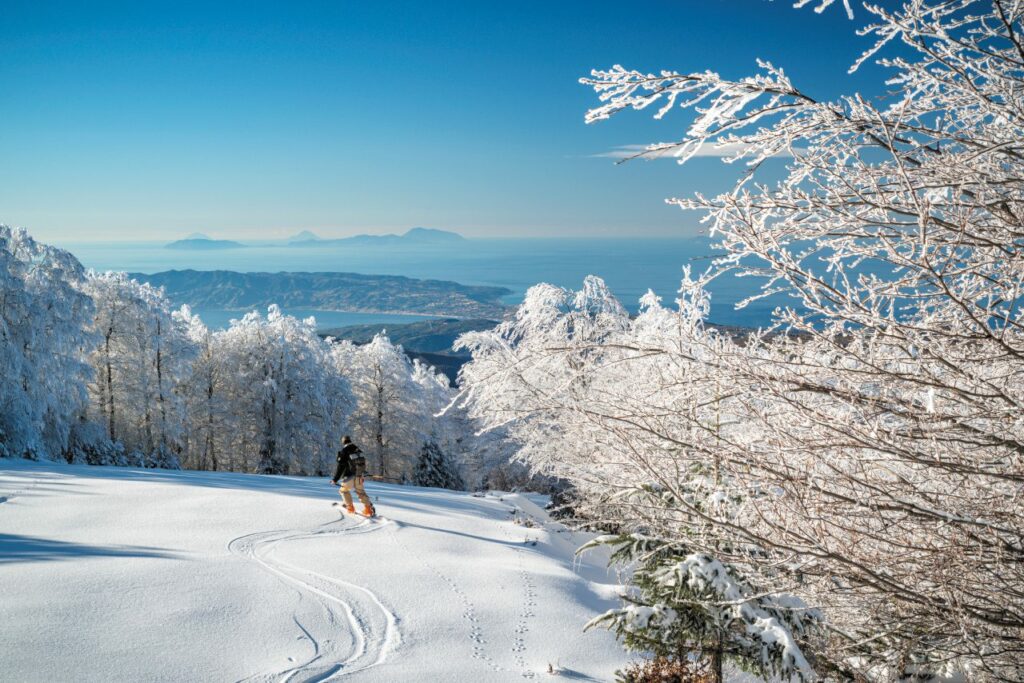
250,240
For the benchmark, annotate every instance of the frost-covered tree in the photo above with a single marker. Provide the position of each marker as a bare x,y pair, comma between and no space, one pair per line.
392,417
875,469
635,414
481,455
265,395
144,355
283,405
206,400
534,375
44,337
449,426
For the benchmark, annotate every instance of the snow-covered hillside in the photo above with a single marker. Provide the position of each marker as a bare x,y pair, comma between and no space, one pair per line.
123,574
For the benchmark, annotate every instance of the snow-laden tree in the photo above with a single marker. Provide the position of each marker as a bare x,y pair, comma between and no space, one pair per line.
44,335
884,481
143,357
692,603
206,399
483,456
452,430
534,375
392,418
278,400
265,395
635,414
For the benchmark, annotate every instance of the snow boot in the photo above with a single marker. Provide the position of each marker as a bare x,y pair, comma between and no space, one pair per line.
350,508
369,511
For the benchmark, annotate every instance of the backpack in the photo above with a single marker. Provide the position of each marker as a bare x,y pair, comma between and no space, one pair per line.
358,461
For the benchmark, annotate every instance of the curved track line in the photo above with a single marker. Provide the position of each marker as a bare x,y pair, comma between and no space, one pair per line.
372,627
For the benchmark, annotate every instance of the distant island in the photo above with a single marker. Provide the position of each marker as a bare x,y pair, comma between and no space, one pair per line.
413,237
350,292
203,243
305,236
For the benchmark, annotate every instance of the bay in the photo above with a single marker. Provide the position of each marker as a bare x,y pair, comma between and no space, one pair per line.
629,266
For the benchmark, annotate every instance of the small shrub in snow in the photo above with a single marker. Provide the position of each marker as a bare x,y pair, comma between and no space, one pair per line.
664,670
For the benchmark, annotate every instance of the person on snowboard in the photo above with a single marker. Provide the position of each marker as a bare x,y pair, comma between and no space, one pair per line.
350,472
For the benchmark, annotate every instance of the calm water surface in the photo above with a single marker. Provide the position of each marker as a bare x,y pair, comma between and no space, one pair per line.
630,267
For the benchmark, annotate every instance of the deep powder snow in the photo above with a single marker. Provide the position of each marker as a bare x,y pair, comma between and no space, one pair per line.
125,574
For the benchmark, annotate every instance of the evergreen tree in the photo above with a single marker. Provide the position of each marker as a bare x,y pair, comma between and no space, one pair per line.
688,603
435,468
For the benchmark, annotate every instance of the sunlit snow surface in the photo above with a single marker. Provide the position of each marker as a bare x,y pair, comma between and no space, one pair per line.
122,574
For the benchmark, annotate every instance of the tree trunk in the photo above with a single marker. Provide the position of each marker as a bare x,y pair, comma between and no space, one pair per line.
268,445
209,426
160,387
380,442
146,398
716,660
379,436
111,433
268,449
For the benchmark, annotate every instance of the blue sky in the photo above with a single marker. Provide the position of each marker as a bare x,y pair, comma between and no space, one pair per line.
252,119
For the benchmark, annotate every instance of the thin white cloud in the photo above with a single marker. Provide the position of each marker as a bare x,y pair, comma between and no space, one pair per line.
669,150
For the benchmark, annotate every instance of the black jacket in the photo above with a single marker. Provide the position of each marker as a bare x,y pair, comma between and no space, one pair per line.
344,470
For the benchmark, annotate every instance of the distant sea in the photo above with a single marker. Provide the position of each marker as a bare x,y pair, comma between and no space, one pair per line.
629,266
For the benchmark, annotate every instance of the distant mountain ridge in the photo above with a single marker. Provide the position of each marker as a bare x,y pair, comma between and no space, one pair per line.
415,236
204,244
305,236
223,289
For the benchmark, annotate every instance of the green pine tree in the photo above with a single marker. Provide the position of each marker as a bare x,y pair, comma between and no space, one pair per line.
436,468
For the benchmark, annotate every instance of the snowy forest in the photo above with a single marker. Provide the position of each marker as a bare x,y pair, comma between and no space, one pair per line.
97,368
835,497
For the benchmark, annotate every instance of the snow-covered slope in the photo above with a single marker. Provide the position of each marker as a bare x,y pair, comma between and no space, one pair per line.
119,574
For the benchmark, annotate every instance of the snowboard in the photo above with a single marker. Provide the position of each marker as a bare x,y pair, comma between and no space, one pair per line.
343,511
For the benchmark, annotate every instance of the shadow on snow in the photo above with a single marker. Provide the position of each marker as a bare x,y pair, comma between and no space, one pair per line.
14,548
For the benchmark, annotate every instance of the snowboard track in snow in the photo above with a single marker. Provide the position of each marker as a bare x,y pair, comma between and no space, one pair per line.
341,610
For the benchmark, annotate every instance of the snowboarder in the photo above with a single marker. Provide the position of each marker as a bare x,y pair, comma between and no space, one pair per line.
350,472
